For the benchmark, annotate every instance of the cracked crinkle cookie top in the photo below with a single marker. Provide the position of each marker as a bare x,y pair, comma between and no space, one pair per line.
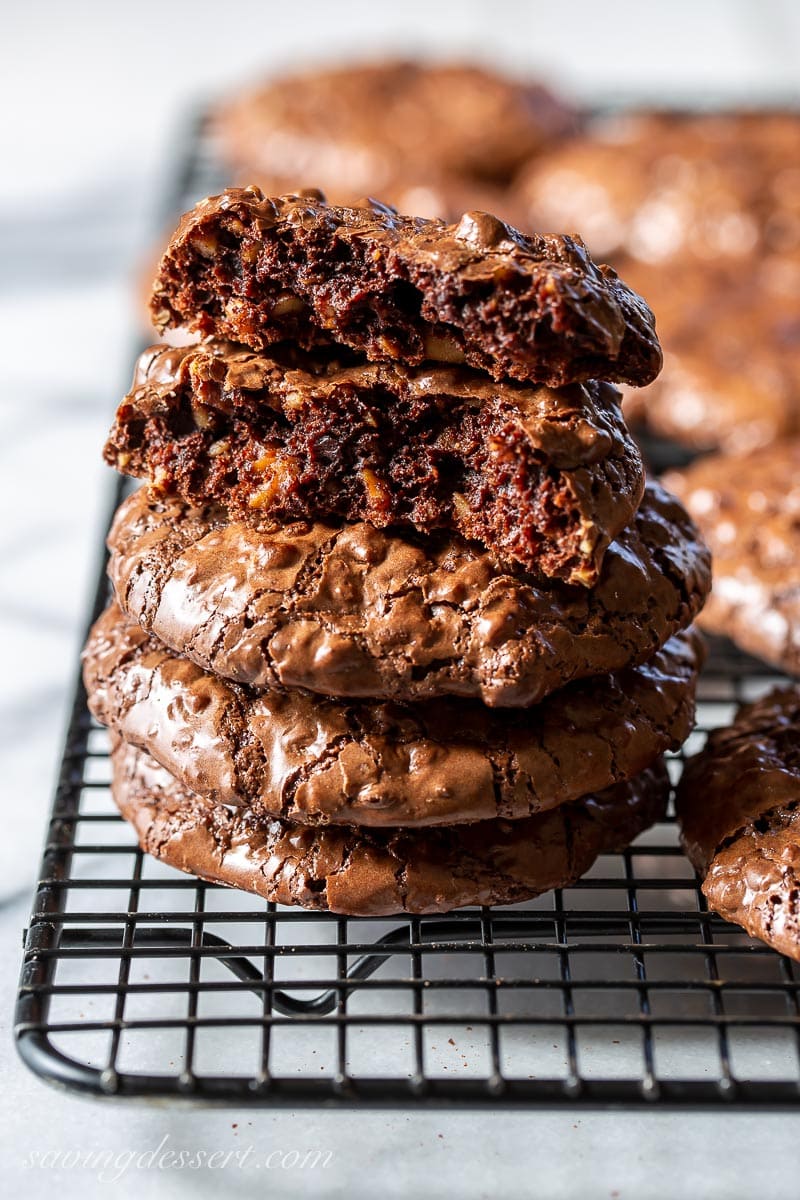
359,611
739,808
532,308
372,872
746,770
312,759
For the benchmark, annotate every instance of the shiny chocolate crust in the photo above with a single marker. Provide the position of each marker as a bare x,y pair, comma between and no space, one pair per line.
547,477
364,872
536,308
738,803
748,509
433,194
305,758
354,128
667,187
360,612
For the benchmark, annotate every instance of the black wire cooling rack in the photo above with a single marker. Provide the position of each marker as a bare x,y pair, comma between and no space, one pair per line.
139,981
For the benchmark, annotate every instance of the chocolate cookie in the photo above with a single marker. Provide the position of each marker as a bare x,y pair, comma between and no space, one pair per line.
355,128
260,271
360,612
547,477
731,375
748,509
702,215
305,758
368,872
738,803
666,187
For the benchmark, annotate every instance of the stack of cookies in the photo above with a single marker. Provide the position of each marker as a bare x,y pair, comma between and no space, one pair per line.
398,625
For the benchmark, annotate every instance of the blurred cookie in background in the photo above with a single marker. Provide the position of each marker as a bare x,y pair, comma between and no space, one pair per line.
702,214
731,377
655,186
748,511
431,140
360,129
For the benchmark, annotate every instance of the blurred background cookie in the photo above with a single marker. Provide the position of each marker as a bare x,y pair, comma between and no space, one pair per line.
748,511
661,186
702,214
391,129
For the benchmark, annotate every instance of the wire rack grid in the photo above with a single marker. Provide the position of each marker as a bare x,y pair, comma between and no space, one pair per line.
620,991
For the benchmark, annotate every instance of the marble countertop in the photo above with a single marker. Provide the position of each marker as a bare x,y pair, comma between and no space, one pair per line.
83,152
